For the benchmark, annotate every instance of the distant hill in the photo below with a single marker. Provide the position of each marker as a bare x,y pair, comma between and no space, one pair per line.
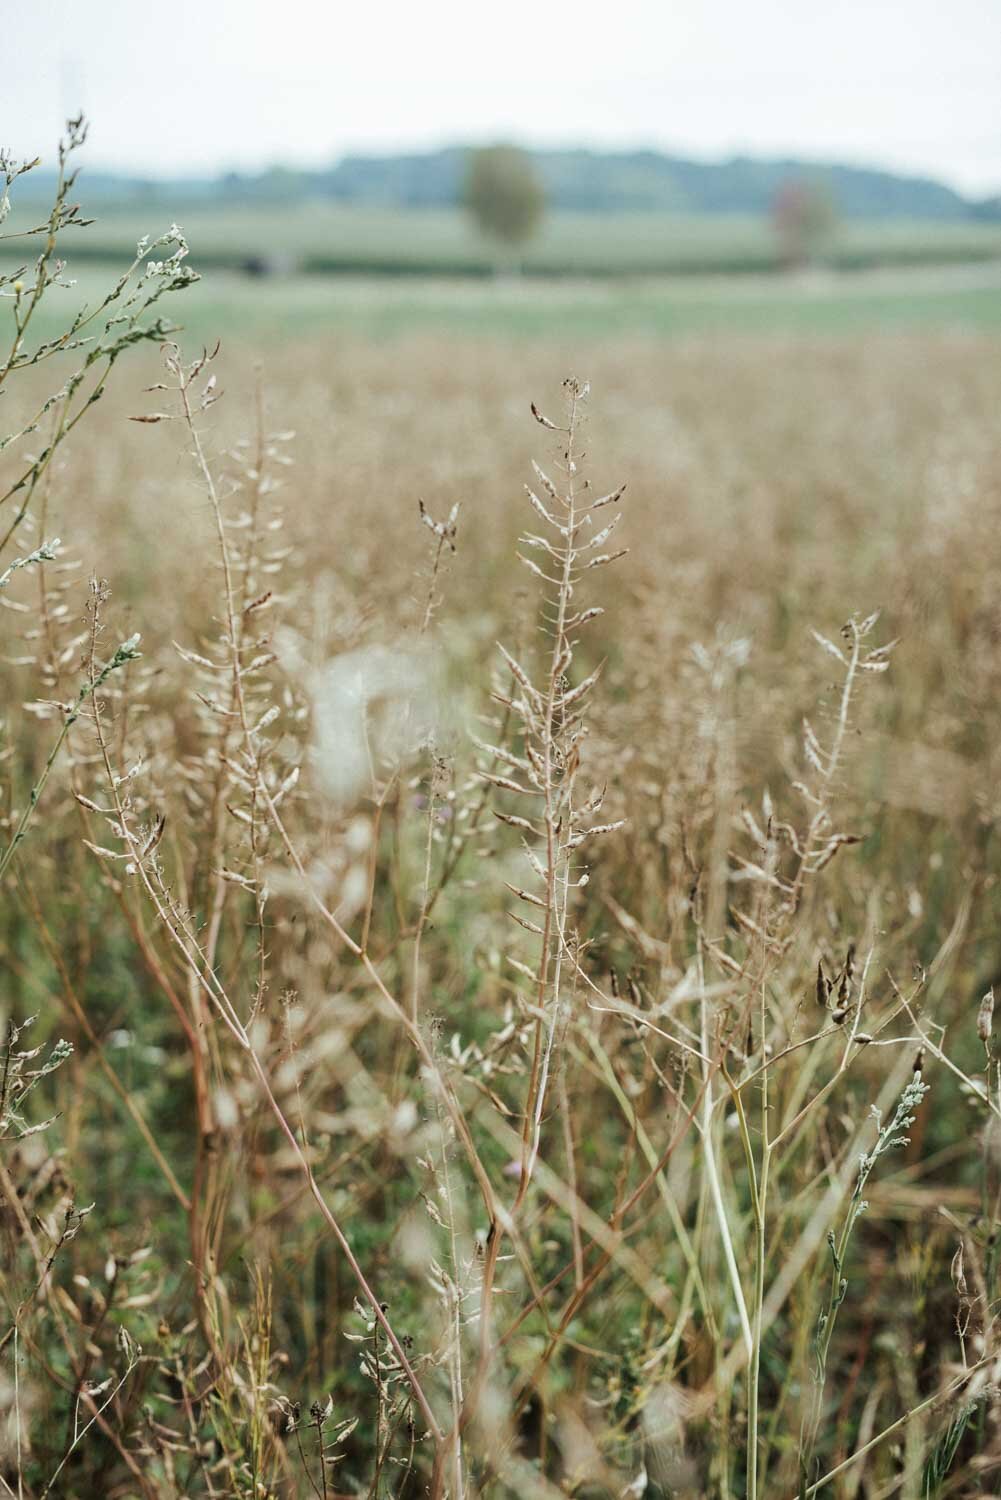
648,181
579,181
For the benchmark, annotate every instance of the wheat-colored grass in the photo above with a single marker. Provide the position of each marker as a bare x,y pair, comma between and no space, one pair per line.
463,989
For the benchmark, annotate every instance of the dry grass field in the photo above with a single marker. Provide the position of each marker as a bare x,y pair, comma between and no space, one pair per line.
485,1015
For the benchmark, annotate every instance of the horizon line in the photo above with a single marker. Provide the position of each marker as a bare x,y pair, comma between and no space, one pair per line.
115,167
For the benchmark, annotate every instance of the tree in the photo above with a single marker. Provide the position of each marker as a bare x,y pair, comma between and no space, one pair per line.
804,220
503,193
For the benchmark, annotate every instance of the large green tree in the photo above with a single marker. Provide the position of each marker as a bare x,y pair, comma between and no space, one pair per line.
504,194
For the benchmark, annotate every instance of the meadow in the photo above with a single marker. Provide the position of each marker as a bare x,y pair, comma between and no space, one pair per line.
498,966
317,236
269,313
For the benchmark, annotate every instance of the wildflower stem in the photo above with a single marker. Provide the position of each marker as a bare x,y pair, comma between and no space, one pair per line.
126,652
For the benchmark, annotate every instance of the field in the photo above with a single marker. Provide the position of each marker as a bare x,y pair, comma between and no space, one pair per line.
332,238
488,1015
268,313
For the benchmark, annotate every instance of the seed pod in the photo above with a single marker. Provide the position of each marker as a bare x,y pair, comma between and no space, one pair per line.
823,989
847,975
985,1020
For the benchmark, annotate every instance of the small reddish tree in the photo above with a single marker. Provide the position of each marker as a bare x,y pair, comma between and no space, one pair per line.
804,222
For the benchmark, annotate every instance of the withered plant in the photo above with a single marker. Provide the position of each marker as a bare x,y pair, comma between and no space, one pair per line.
483,1039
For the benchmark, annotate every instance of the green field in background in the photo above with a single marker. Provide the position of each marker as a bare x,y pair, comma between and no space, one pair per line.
275,309
584,275
320,236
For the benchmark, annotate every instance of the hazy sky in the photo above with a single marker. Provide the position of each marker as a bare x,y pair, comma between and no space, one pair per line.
195,85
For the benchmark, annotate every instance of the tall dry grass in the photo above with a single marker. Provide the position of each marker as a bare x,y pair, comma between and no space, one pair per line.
502,1029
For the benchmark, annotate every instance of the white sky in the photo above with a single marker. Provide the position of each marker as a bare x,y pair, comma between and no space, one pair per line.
197,85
